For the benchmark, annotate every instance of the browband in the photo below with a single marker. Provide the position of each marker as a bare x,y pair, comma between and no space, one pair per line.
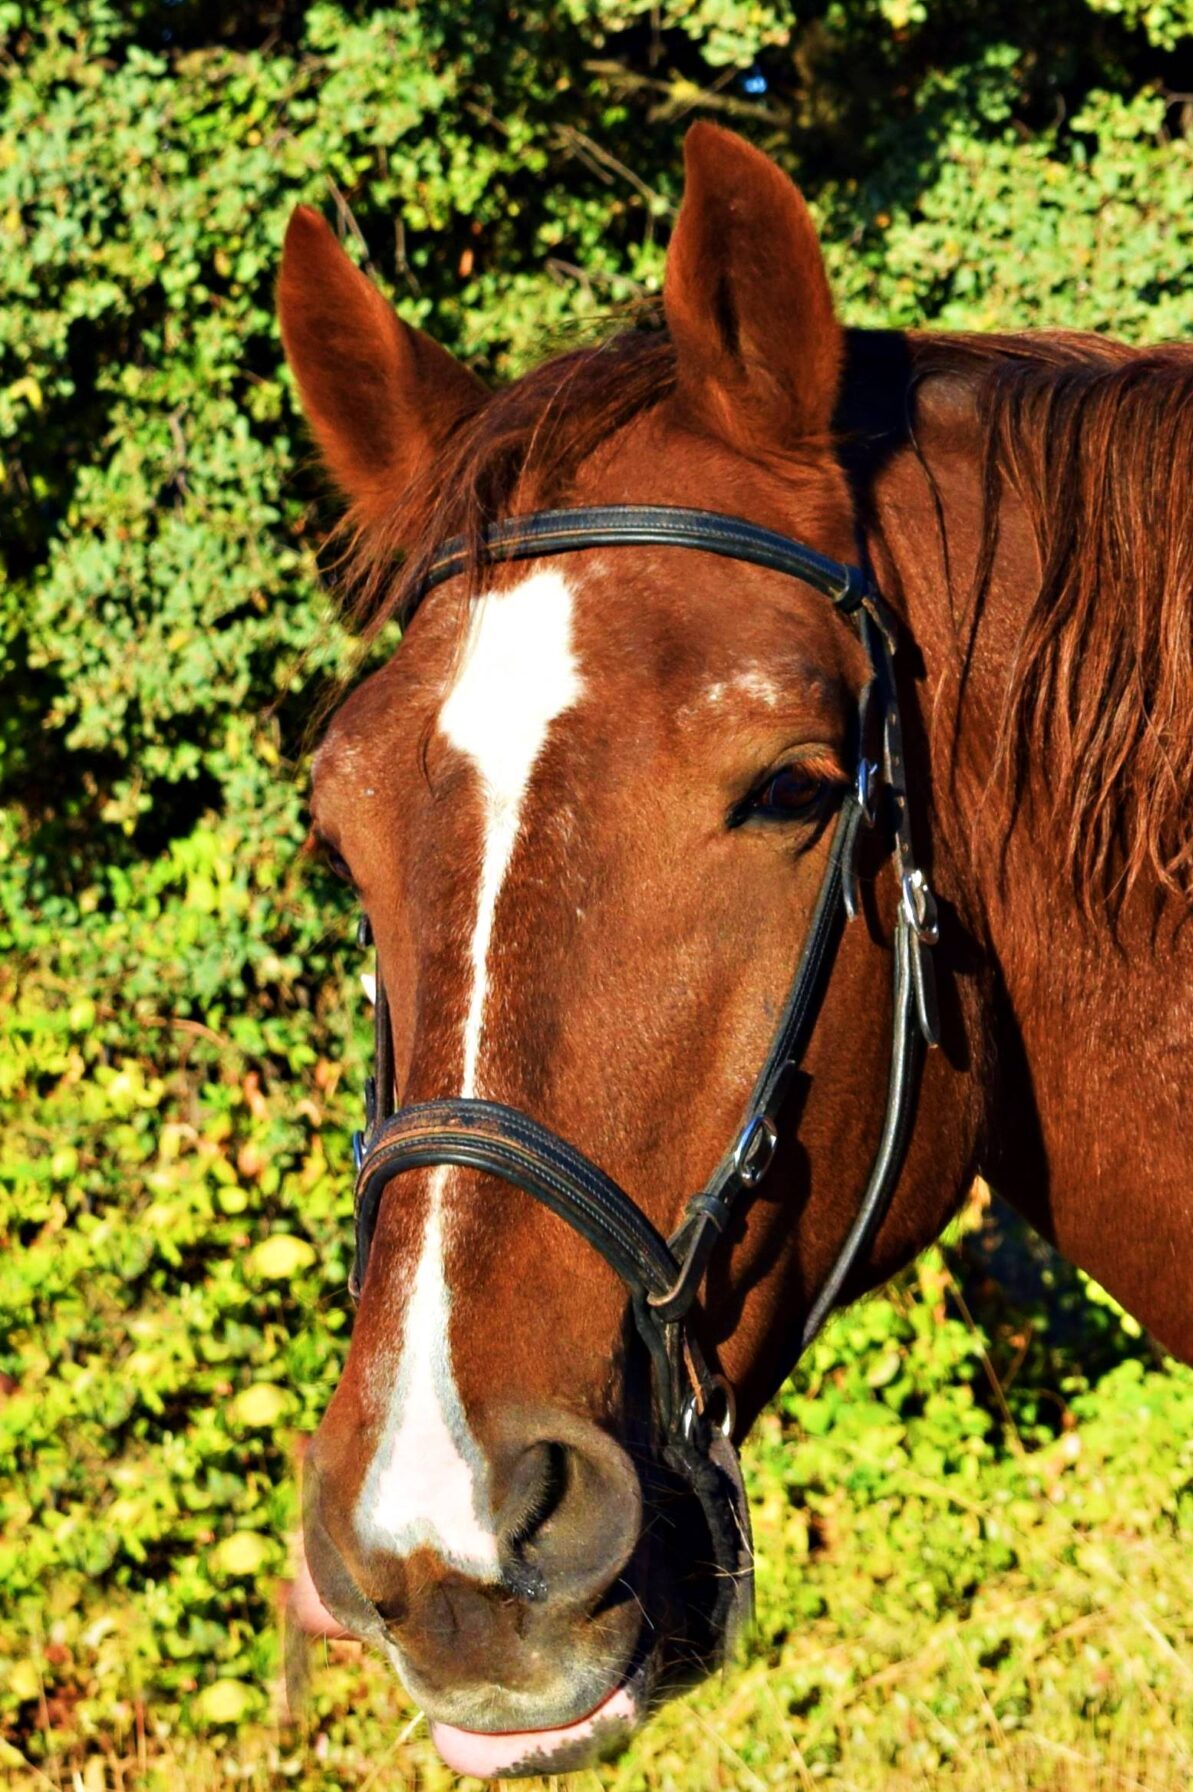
549,532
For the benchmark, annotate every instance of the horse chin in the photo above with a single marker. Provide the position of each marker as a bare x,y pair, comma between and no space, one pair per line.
657,1674
512,1754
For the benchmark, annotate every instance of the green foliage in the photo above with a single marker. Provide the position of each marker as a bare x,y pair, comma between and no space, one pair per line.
181,1052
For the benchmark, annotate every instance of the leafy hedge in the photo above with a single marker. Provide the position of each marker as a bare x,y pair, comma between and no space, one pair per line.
181,1053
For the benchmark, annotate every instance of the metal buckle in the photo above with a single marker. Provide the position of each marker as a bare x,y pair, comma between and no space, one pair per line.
865,786
919,907
358,1150
695,1408
755,1149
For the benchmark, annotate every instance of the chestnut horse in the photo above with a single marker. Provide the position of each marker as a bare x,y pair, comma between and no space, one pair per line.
588,806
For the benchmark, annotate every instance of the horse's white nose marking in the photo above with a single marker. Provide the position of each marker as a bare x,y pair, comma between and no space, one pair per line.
428,1482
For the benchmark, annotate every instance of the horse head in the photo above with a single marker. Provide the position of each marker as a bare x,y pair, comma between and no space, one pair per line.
590,806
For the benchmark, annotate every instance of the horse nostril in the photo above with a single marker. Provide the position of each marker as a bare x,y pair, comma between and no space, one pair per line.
392,1612
524,1580
569,1518
536,1493
538,1489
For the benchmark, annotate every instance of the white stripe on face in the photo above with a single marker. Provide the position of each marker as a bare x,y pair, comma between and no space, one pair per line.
518,674
428,1482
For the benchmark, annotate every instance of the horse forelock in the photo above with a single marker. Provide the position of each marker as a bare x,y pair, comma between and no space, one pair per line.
521,449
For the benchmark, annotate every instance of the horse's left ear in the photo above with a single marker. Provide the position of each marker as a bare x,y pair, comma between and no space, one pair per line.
747,300
380,396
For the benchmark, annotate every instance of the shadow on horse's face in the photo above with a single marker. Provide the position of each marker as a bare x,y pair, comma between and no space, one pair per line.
588,812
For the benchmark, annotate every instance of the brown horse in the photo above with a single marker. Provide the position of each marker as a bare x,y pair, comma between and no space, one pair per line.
588,805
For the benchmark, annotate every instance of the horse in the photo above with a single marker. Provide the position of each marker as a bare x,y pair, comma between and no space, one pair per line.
736,641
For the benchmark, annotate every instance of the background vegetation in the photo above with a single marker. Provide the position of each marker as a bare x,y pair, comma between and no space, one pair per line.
974,1507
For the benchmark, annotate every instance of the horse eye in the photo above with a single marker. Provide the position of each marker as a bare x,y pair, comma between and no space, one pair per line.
793,794
336,863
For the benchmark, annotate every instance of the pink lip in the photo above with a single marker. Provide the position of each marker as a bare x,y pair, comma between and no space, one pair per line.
486,1756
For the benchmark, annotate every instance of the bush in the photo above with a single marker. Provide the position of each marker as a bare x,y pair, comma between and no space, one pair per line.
182,1057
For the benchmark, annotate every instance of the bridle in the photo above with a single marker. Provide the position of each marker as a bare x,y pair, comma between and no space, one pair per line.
694,1406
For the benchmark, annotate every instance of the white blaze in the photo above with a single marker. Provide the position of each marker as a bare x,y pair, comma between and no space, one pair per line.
518,674
428,1482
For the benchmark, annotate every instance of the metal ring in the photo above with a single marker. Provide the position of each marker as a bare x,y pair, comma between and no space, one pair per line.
919,907
695,1407
750,1169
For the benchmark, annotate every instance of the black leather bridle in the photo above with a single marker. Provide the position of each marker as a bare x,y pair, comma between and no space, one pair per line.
695,1407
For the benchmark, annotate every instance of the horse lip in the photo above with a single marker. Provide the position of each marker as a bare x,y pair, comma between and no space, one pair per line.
541,1729
492,1754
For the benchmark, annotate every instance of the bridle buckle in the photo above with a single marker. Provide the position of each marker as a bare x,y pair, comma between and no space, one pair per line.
919,907
696,1408
755,1150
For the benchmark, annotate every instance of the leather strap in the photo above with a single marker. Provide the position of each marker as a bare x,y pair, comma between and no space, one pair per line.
906,1052
749,1157
549,532
916,902
505,1142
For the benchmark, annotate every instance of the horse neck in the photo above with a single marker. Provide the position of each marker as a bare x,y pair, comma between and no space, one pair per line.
1085,1042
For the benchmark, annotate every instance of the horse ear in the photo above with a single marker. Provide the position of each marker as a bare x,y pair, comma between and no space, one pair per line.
747,300
380,397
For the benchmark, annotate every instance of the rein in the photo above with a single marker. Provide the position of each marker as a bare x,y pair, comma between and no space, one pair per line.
663,1276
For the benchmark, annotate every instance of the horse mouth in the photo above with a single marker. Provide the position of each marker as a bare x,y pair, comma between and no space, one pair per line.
502,1754
655,1673
693,1594
676,1655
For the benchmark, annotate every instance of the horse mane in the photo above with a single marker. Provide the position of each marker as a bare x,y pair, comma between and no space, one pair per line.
1096,440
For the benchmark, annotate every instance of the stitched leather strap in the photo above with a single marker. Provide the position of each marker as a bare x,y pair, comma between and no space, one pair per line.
906,1053
505,1142
487,1135
748,1158
653,525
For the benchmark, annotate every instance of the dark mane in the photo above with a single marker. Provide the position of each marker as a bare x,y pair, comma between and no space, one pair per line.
1097,441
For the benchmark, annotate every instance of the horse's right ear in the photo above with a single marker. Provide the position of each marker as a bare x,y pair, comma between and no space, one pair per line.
758,348
379,396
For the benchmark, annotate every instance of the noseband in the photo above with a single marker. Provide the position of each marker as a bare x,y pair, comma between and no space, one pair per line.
695,1407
